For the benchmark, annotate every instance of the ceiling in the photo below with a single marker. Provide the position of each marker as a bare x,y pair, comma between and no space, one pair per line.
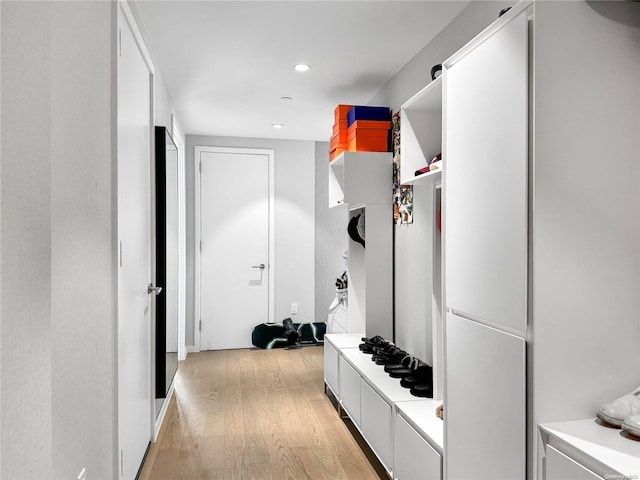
227,64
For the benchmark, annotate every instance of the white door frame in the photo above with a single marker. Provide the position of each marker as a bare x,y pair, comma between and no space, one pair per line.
198,257
178,138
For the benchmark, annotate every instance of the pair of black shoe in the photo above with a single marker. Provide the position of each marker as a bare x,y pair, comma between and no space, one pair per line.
374,344
420,382
387,354
414,374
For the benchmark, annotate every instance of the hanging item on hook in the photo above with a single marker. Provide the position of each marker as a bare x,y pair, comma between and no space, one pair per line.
355,228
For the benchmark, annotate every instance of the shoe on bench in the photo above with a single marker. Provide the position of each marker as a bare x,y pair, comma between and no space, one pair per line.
422,390
615,412
632,425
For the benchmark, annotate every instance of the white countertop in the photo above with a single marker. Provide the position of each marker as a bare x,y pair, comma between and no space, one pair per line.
344,340
421,415
603,444
377,378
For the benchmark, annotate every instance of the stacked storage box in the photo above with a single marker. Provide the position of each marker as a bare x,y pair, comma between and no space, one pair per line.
339,142
368,129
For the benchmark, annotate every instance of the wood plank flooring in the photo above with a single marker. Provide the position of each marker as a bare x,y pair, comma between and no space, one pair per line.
254,414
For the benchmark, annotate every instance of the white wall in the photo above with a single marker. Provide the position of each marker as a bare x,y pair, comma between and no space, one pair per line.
26,229
57,254
294,223
331,240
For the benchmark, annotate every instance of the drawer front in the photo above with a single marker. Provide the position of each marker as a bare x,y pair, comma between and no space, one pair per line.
413,457
376,418
349,385
561,467
331,368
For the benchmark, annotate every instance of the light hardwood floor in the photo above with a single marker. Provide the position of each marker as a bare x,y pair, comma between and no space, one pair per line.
255,414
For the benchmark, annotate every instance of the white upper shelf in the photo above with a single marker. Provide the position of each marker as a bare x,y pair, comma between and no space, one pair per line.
360,178
421,132
429,178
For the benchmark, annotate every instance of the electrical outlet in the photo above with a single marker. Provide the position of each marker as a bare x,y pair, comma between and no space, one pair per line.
82,475
294,309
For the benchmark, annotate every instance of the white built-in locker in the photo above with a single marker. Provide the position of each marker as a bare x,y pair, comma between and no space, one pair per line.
486,253
486,101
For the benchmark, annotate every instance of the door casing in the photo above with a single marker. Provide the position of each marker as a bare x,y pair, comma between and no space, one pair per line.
198,237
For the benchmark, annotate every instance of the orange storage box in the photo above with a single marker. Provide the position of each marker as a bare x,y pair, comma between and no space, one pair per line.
340,137
371,125
341,126
335,151
368,140
369,136
341,113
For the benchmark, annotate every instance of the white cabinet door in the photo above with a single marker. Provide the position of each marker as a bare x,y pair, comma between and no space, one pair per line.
413,457
376,419
331,368
349,380
484,402
561,467
485,175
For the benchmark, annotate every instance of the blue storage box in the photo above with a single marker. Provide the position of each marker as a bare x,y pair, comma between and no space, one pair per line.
368,113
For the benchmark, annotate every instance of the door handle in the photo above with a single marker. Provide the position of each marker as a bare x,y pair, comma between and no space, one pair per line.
153,289
261,266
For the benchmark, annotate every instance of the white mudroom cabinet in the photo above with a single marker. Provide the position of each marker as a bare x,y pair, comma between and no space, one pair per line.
535,277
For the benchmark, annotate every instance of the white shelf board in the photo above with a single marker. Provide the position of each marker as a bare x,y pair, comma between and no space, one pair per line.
603,444
344,340
421,415
421,130
429,178
429,98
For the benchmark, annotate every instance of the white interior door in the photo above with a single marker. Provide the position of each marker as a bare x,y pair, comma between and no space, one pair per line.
134,273
235,204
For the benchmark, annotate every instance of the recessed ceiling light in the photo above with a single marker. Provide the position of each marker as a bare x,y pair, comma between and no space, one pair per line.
277,125
301,67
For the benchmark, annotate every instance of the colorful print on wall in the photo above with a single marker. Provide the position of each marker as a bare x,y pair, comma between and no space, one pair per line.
402,194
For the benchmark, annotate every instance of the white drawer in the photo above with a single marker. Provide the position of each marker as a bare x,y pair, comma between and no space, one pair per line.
376,419
349,385
413,457
331,368
561,467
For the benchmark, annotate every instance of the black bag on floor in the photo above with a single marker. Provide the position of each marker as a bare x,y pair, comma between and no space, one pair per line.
287,333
